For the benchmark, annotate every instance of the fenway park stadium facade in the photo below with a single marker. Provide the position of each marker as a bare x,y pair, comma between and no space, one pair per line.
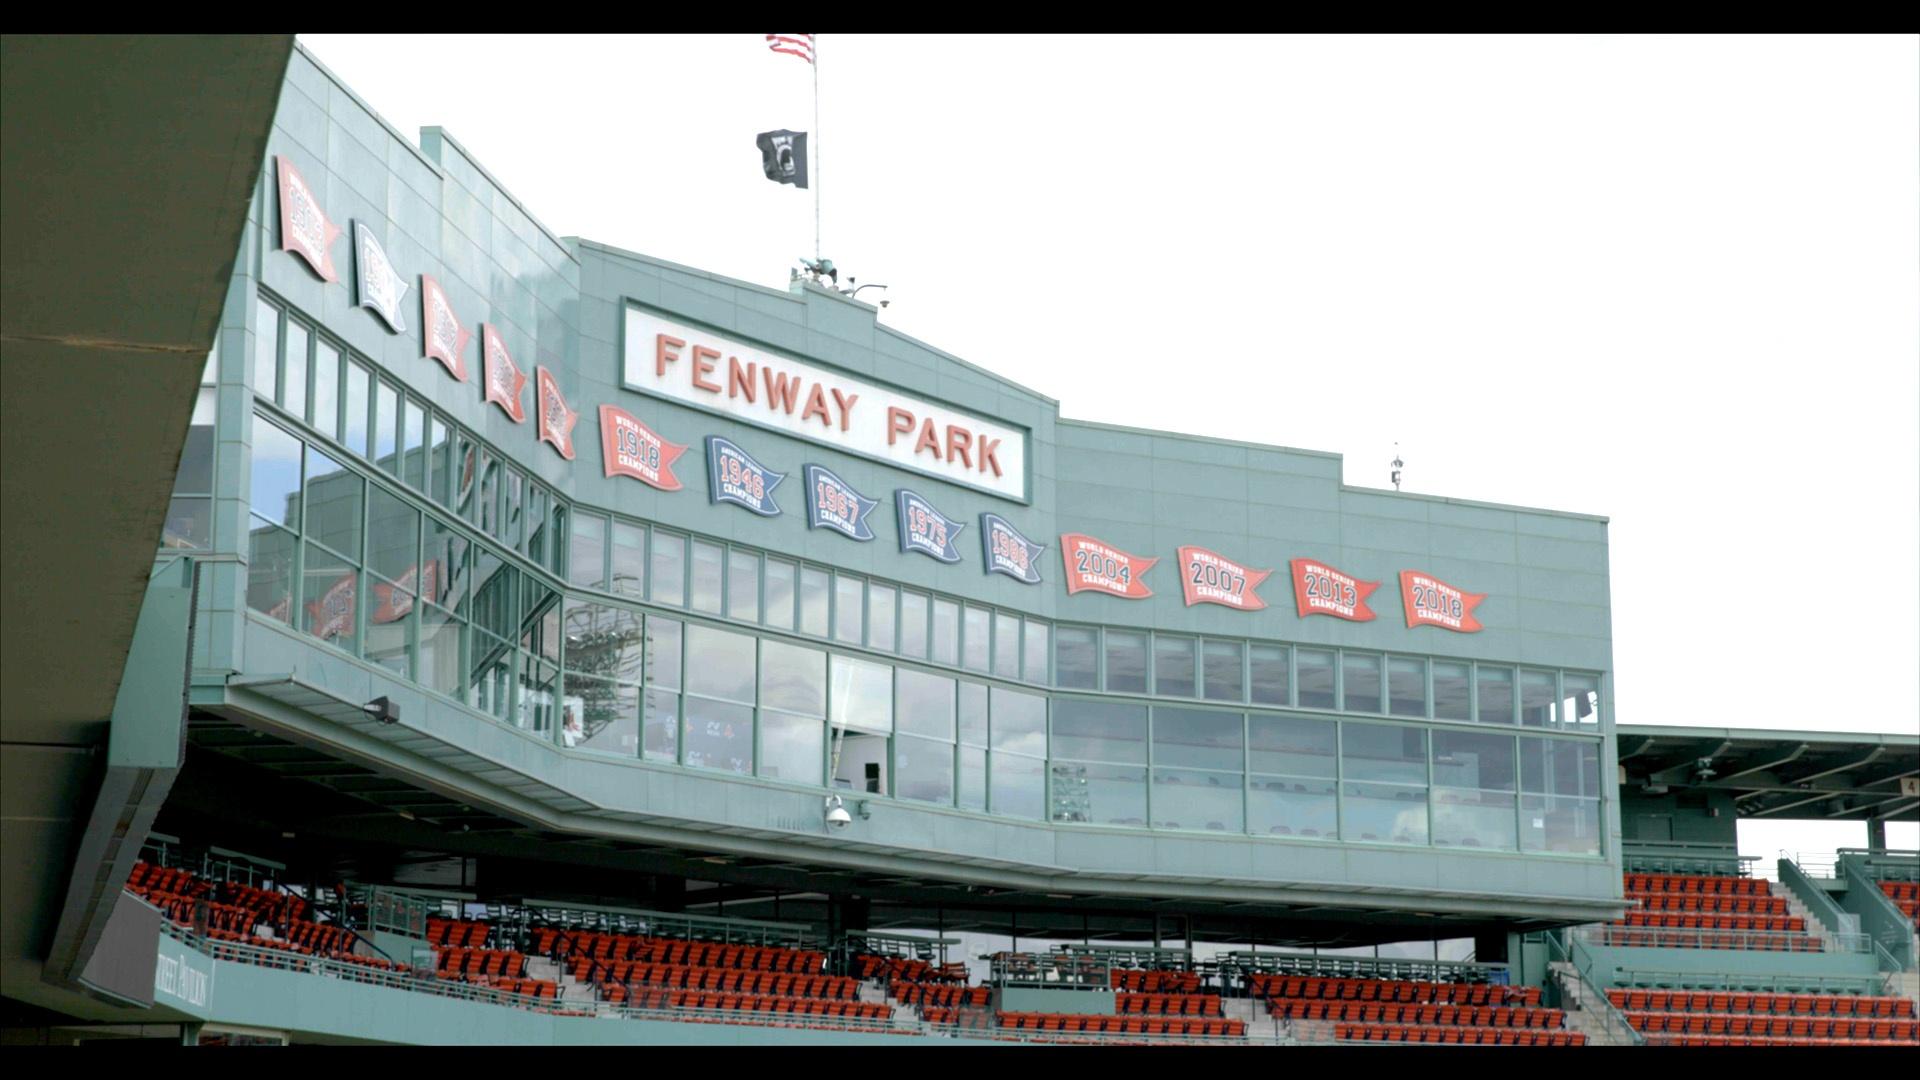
522,640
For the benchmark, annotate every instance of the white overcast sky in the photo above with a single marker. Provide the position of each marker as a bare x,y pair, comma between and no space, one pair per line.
1674,281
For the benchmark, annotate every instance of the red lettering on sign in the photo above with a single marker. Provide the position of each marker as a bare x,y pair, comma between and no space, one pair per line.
960,445
928,440
899,422
780,389
845,401
662,346
987,448
703,359
817,405
740,380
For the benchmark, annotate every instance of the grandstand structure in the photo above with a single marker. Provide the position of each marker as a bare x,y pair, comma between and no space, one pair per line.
548,644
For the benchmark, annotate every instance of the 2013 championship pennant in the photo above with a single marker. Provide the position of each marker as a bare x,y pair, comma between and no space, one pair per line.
631,448
733,476
1101,567
556,417
924,529
1432,602
506,383
1319,589
380,286
1207,577
1006,551
832,503
442,335
304,228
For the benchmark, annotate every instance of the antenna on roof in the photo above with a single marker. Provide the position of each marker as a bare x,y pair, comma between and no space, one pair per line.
1397,466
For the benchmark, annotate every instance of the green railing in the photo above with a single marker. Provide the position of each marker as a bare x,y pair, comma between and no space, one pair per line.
1884,864
1580,962
1656,937
1055,971
1133,956
1749,982
668,924
1880,919
399,911
905,946
1681,857
1242,963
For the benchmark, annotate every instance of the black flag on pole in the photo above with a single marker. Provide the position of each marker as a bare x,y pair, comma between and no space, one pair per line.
783,155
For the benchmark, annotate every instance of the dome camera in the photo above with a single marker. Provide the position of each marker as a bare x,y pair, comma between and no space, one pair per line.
837,815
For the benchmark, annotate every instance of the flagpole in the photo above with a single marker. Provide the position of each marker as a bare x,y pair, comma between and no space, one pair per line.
816,147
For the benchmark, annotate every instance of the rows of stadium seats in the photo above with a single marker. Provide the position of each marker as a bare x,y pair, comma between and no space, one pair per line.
1754,917
945,995
738,980
1122,1025
1743,904
232,911
655,998
442,933
1777,1030
1167,1004
1154,981
1728,1018
1400,990
502,963
608,947
964,1019
1679,920
1905,896
900,968
1457,1035
1721,1001
1703,884
1375,1012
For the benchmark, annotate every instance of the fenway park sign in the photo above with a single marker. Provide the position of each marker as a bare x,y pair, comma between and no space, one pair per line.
702,368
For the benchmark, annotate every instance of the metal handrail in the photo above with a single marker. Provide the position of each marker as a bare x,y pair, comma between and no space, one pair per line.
1645,978
1616,1021
1282,963
1053,970
1657,937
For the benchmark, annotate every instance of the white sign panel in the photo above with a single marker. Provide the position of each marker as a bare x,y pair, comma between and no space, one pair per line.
702,368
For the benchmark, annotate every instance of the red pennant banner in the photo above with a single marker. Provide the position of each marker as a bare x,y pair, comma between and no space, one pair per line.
304,228
446,340
1092,565
631,448
506,383
331,614
1432,602
1207,577
1319,589
556,419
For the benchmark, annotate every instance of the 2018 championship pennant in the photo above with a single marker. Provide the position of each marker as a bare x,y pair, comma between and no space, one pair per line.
1432,602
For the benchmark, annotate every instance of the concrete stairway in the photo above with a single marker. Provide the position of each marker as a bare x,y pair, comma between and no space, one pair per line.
1254,1014
573,993
1584,1015
1799,910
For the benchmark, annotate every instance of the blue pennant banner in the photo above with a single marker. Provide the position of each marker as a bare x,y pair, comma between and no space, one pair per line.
733,476
833,504
1007,552
926,530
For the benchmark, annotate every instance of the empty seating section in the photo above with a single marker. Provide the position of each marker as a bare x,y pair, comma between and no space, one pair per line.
1167,1004
1154,981
659,998
442,933
630,973
963,1019
607,947
1461,1036
1325,987
942,995
1071,1023
1905,896
1722,1018
1745,909
236,912
1401,1010
900,968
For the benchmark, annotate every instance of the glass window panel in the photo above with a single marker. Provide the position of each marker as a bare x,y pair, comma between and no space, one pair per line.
1560,824
880,628
393,537
1126,662
721,664
793,679
1451,694
1388,813
1100,794
660,725
629,560
1099,731
663,652
1197,738
1269,667
1017,785
488,501
335,500
510,520
1291,745
1559,766
1314,670
1225,678
587,551
415,455
1496,694
814,601
861,763
294,386
1383,752
669,568
862,695
446,555
973,778
490,683
913,624
792,747
1075,663
608,716
743,585
1361,682
1536,698
465,459
923,703
266,351
1197,799
923,769
557,537
1302,808
946,632
1579,707
780,594
1019,722
1406,686
973,714
386,425
537,527
328,594
275,490
270,569
356,408
390,626
604,641
1034,652
494,587
539,618
1469,759
709,566
849,597
326,389
189,523
974,642
1006,645
443,664
1173,666
1468,817
718,735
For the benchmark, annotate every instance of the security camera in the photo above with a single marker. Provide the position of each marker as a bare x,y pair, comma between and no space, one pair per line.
382,709
837,815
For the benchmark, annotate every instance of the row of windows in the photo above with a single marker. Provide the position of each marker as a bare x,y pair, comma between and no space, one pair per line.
349,561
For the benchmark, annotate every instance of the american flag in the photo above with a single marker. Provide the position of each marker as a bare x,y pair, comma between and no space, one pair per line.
800,45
